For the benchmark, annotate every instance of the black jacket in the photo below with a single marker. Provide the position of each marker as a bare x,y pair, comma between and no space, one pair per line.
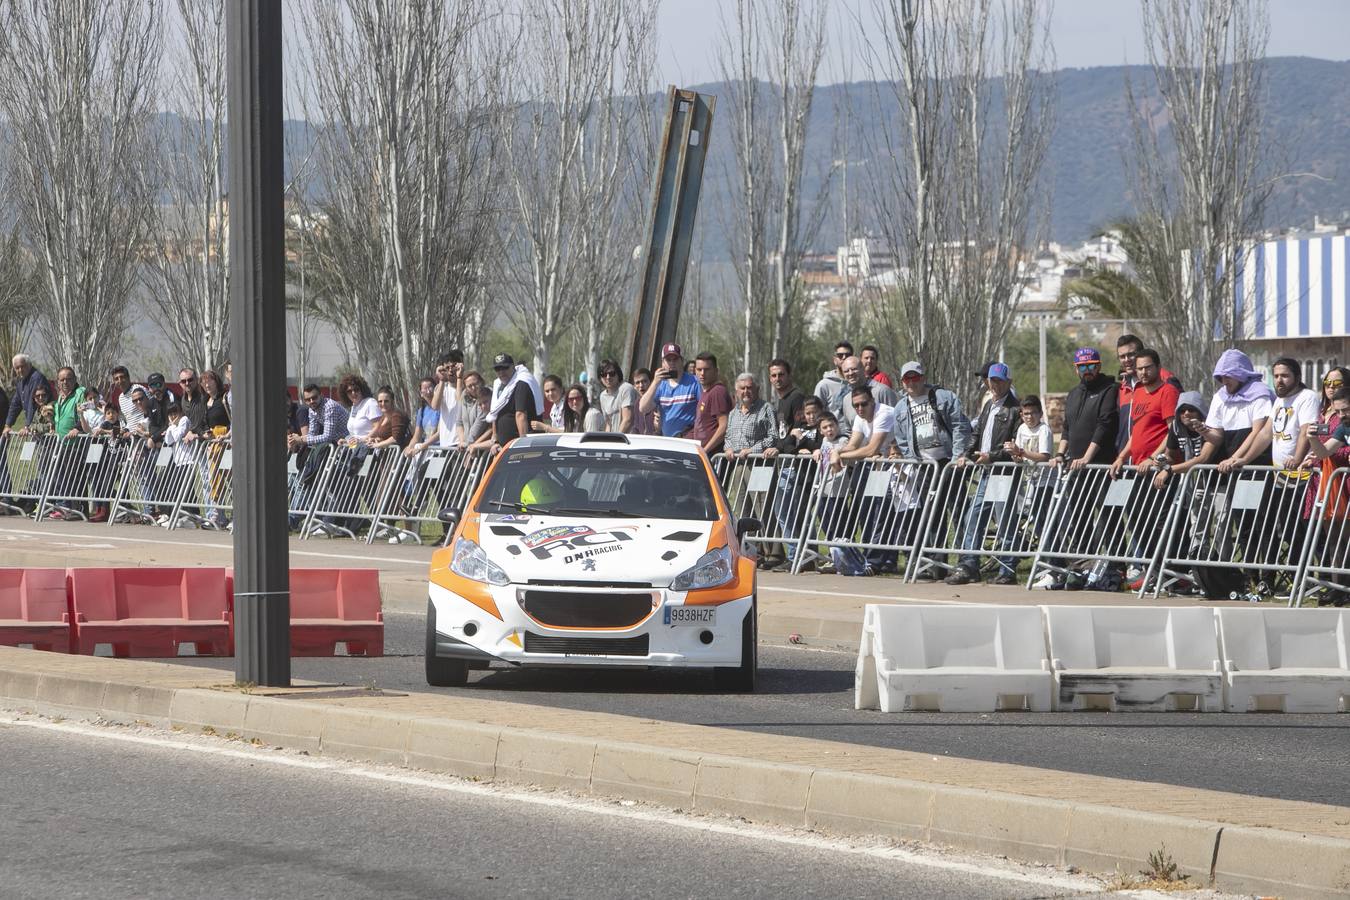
1007,416
1090,417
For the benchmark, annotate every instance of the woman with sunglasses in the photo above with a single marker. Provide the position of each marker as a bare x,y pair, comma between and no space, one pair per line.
363,411
578,414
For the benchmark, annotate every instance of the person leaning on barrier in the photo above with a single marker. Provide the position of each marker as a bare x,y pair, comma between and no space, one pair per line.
872,436
1328,443
787,398
391,429
1241,409
855,377
1153,406
1190,442
929,421
26,381
792,490
751,424
193,400
1089,414
995,427
426,421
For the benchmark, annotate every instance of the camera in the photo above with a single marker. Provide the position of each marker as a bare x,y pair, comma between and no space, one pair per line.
1322,430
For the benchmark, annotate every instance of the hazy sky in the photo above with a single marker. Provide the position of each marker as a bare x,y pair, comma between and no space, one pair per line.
1085,32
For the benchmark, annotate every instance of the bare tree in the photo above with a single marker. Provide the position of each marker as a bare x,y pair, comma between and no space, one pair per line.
772,227
958,167
76,85
20,285
189,274
569,139
404,164
1198,147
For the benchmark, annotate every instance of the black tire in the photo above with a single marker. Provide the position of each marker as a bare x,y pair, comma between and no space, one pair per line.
741,679
442,672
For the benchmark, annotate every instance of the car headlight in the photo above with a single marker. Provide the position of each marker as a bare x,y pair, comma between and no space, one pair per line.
712,570
472,563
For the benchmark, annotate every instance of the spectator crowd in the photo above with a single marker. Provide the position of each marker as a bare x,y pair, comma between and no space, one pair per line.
1140,417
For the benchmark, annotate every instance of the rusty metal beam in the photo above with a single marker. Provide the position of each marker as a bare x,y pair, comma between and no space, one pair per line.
669,233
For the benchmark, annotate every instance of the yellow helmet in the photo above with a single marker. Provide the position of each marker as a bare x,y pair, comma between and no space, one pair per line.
539,491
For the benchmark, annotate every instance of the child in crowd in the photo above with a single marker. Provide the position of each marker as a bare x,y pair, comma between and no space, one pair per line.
1033,445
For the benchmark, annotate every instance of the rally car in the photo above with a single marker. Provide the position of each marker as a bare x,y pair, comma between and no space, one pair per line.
596,550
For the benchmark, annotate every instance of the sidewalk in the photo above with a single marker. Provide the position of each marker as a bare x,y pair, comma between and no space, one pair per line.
822,609
1235,842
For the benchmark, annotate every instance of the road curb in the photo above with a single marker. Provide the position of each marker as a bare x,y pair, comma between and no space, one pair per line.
1089,836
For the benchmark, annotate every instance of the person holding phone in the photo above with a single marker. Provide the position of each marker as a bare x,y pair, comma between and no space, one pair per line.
674,392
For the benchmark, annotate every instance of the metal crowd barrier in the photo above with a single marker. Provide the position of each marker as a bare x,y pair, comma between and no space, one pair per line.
1234,525
420,487
1326,554
153,483
873,510
1099,523
777,490
208,496
84,473
351,491
25,468
992,514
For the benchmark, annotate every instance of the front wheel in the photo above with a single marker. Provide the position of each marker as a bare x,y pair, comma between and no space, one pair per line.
442,672
741,679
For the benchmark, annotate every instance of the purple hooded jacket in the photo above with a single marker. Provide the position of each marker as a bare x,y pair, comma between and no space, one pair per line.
1236,364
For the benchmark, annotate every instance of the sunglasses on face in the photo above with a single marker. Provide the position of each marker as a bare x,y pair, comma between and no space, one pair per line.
1087,367
1333,382
842,354
912,378
575,398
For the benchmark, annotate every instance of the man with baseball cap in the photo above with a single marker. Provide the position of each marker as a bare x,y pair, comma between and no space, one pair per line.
517,399
995,429
1090,418
674,392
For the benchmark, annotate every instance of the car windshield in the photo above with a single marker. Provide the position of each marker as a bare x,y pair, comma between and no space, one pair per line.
600,482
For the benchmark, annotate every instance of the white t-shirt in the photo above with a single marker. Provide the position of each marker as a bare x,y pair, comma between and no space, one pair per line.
362,418
612,405
1037,440
1236,415
882,420
1287,418
450,412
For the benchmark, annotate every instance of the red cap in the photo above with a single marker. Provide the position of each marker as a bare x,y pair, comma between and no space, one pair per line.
672,349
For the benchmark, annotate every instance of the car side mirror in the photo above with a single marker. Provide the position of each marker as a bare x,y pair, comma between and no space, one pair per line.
450,515
747,525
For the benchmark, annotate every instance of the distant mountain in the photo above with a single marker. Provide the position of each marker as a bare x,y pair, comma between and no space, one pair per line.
1307,121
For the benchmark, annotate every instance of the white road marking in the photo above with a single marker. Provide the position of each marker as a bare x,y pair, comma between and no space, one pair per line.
420,563
887,597
1062,882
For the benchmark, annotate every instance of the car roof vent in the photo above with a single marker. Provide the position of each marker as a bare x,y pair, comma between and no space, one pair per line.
604,437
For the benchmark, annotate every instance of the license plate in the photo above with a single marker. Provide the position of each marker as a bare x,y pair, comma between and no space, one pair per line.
690,615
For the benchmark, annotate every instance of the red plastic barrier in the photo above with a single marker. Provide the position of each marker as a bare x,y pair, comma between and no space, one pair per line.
329,606
149,612
34,609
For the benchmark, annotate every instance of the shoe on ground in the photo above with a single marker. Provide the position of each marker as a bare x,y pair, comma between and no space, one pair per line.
56,515
1005,578
926,575
808,566
162,520
769,561
1045,583
827,569
1137,584
100,516
962,575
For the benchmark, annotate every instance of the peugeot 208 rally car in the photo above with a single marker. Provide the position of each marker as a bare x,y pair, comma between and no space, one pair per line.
594,550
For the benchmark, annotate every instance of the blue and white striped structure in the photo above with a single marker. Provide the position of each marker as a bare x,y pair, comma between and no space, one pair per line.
1295,287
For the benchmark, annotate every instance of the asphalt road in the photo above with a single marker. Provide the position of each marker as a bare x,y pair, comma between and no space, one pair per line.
809,693
92,816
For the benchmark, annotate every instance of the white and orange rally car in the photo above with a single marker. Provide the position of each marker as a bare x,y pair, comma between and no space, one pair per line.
596,550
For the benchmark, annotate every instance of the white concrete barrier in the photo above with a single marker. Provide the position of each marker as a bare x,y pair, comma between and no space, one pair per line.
1132,658
952,659
1286,660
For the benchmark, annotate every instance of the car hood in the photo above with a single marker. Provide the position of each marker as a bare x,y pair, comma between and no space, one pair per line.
574,548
